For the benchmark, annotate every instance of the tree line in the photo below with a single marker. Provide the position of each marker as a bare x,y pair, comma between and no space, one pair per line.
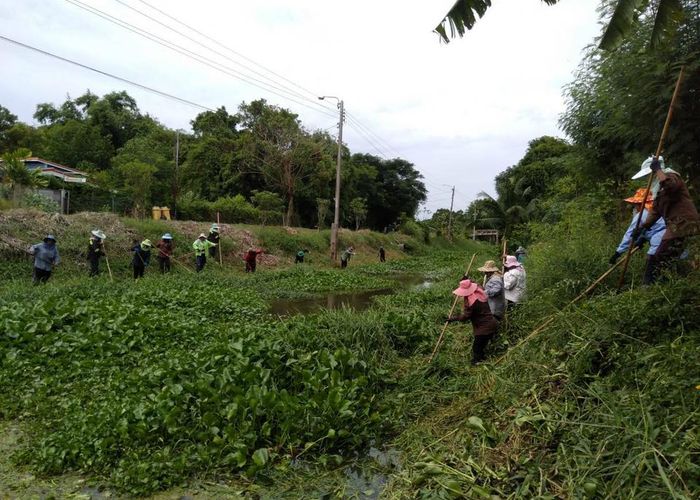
257,165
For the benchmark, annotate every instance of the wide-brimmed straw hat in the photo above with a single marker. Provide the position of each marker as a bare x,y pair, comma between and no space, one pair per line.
638,196
146,243
512,261
202,235
98,234
466,288
489,267
646,167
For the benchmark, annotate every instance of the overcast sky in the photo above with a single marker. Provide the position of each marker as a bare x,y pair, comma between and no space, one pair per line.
460,112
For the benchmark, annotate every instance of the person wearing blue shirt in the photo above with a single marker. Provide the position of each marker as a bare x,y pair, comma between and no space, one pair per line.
45,258
653,235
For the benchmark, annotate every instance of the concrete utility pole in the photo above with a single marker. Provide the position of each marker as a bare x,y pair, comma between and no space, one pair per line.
177,165
449,220
336,217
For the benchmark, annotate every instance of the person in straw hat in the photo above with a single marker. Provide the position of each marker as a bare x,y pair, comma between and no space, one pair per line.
672,201
476,309
45,258
513,281
165,251
142,257
653,235
493,288
214,237
201,245
95,250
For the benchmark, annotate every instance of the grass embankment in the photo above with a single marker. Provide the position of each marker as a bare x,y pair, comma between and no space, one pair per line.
187,381
20,228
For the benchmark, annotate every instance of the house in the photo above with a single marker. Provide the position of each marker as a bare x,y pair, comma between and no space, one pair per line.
64,173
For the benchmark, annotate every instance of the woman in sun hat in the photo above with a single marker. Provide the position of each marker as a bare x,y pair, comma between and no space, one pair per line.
45,258
653,235
672,201
493,288
165,251
513,281
476,309
95,250
200,246
142,257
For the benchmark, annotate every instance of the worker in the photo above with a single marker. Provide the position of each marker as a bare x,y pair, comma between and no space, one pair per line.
214,237
250,258
141,258
520,254
672,202
493,287
165,251
201,245
345,256
45,258
299,259
513,281
478,312
653,235
382,254
95,250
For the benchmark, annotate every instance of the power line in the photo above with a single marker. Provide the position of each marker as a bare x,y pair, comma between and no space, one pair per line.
187,53
104,73
194,30
379,139
274,83
368,139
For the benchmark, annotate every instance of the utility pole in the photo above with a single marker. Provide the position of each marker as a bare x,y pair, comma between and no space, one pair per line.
177,165
336,217
449,220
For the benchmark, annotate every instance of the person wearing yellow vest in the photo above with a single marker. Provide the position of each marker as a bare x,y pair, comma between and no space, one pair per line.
201,245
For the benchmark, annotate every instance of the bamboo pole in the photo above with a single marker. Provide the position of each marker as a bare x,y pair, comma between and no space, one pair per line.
109,269
182,264
442,333
220,249
659,149
554,316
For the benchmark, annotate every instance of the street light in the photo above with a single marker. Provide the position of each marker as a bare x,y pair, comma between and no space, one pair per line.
336,216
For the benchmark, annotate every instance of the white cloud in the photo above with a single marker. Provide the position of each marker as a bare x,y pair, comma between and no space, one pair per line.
461,112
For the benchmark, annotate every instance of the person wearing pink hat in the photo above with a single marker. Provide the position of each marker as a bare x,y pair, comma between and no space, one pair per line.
513,281
476,309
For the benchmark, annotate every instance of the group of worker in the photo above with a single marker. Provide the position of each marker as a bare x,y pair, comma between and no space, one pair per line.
664,216
486,306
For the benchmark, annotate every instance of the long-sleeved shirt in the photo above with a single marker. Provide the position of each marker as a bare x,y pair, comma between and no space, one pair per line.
94,249
653,235
674,204
496,295
514,284
45,256
201,246
142,257
165,248
213,237
483,322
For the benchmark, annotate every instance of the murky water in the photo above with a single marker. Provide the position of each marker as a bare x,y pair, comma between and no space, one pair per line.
357,301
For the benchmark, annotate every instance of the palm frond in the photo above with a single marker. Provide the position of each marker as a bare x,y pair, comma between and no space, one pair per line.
620,23
668,14
462,16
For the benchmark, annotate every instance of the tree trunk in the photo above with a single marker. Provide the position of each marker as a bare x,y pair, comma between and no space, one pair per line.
290,209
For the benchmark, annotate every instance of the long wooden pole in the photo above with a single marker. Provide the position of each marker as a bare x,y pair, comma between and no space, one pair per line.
659,150
220,249
109,269
554,316
442,333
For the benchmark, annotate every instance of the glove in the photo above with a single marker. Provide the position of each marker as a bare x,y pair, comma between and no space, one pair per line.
614,258
637,233
640,242
655,165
